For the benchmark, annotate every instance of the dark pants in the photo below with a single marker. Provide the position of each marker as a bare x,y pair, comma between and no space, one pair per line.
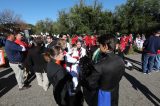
115,96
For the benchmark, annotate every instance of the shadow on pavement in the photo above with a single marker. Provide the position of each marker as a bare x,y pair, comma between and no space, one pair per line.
134,61
137,68
139,86
6,84
5,72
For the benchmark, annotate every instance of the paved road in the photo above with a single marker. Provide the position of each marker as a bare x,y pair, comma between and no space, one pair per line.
136,89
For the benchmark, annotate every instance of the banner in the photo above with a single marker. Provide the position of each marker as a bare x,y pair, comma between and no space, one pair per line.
2,60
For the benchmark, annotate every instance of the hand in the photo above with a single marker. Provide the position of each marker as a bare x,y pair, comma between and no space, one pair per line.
23,48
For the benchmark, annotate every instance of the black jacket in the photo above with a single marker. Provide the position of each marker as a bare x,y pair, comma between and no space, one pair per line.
59,78
105,75
109,71
35,60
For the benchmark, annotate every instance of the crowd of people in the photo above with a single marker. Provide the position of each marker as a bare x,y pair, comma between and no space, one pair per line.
94,63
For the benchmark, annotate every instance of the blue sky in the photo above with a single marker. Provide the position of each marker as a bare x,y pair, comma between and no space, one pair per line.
33,10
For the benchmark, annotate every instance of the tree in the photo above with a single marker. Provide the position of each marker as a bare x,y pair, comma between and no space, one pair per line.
44,26
138,16
135,16
11,22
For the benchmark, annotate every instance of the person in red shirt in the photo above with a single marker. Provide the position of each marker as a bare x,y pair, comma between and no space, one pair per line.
19,41
88,41
123,43
74,39
94,40
122,50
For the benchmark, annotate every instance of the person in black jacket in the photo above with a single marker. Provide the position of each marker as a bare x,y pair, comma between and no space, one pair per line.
61,80
101,80
36,63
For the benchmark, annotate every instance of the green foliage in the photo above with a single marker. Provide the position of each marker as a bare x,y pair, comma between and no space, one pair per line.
135,16
138,16
44,26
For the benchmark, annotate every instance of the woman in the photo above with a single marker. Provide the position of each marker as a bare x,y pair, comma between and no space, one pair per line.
61,79
37,63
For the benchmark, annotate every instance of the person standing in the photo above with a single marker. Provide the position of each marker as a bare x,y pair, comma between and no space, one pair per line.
102,79
15,58
151,46
50,42
36,62
61,80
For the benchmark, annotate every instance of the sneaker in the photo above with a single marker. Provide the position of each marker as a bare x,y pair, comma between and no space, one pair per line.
149,73
144,73
24,87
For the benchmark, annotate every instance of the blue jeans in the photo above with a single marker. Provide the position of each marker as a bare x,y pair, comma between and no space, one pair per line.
157,62
148,62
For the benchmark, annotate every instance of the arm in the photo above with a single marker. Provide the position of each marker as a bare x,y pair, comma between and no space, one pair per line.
83,52
93,80
69,59
14,46
88,74
29,62
2,41
145,43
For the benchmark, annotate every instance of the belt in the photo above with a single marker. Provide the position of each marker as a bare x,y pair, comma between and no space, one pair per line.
15,62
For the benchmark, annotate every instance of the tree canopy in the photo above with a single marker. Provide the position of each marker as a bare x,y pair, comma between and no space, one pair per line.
135,16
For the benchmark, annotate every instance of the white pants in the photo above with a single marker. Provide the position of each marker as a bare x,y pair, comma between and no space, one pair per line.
19,74
42,80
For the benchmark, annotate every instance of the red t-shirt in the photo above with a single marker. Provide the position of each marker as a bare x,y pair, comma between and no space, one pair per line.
19,42
158,52
74,39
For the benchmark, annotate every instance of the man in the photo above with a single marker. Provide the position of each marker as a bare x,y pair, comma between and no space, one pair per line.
151,46
15,60
19,41
65,37
50,42
102,81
